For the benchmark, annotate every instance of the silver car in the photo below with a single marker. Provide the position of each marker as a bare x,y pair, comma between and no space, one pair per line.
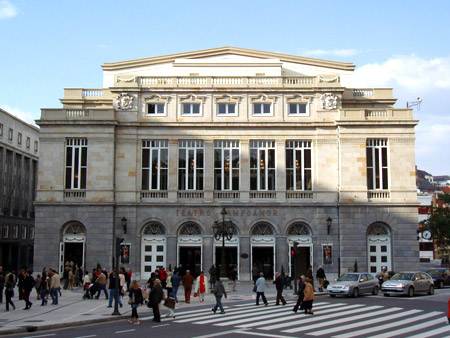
353,284
408,283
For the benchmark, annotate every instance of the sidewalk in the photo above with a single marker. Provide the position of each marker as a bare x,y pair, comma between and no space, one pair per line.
72,310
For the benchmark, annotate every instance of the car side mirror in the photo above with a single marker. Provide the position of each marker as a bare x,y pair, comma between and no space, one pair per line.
361,280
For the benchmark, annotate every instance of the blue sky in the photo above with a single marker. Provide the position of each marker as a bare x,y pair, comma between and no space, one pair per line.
49,45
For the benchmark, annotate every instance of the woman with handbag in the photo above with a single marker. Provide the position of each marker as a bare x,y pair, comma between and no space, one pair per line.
136,299
201,286
309,296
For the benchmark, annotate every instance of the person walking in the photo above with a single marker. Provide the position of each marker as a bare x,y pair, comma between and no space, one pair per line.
320,275
55,286
86,285
188,280
309,296
135,299
113,291
279,286
163,277
169,287
233,278
101,282
201,286
28,285
212,275
10,284
309,274
176,280
43,289
155,297
300,293
219,292
260,285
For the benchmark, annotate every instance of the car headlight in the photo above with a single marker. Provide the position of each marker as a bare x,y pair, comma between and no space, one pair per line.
345,287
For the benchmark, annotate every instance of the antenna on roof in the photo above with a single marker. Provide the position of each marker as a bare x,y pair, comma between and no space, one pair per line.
410,104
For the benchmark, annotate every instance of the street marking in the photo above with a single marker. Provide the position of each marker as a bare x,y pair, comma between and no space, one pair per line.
203,312
364,323
432,332
309,319
160,325
414,327
262,334
92,335
217,334
41,335
125,331
270,315
326,309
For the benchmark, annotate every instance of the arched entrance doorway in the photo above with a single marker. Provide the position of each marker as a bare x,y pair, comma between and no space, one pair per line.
379,247
262,243
300,233
72,248
231,252
153,248
190,243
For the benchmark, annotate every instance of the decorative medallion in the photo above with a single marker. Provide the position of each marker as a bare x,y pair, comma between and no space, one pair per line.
329,101
124,101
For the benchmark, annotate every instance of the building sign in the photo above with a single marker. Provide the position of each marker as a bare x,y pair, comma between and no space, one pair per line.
327,254
233,212
125,253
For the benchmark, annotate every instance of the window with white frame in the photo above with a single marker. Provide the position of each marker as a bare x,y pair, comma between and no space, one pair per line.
155,164
23,232
190,164
28,142
299,108
262,165
226,165
1,129
19,139
10,134
262,108
226,109
76,163
190,108
156,108
377,164
298,165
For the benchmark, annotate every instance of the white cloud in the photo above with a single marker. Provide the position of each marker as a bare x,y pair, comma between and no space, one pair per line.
331,52
407,71
23,115
7,10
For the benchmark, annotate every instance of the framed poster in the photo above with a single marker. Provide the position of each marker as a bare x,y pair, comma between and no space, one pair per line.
327,254
125,253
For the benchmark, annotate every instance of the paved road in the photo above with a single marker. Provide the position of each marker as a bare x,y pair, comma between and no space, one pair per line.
370,316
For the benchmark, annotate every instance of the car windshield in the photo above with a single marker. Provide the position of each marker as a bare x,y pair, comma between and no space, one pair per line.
435,272
403,276
348,278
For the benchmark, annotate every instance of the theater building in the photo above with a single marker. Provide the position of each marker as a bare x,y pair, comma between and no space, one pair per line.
281,142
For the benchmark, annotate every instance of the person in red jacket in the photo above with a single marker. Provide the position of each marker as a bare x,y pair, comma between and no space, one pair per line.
163,277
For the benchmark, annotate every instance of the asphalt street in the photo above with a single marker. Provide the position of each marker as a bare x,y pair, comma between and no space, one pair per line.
367,316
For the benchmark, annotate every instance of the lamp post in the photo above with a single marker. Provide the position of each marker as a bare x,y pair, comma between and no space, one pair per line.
223,230
329,221
118,242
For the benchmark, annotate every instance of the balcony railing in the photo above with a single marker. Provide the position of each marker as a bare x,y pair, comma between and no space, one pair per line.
300,195
263,194
74,194
153,194
77,114
376,115
378,195
184,194
226,195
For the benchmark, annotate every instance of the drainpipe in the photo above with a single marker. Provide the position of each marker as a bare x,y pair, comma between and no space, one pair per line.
339,199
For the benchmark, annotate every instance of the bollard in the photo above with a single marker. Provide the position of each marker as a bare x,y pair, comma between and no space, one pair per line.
448,310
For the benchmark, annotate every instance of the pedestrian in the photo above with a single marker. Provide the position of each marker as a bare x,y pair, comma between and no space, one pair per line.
100,284
309,274
163,277
279,286
71,277
309,296
188,280
155,297
219,292
128,276
122,283
135,299
28,285
300,293
176,280
233,278
151,280
20,279
320,275
212,275
113,290
43,289
260,285
201,286
2,283
86,285
55,286
10,283
169,282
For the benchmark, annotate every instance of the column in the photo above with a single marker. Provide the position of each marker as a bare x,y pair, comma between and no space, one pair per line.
282,254
173,170
208,177
207,253
171,251
245,272
244,186
280,158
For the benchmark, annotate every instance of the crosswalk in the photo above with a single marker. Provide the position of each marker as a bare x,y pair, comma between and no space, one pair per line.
339,320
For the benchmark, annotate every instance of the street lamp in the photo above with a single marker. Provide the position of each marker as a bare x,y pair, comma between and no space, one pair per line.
329,221
223,230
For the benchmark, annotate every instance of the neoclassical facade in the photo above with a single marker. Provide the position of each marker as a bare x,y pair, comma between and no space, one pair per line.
294,155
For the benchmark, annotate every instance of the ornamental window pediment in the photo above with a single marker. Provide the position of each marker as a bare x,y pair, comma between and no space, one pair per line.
299,105
155,105
263,105
193,98
227,105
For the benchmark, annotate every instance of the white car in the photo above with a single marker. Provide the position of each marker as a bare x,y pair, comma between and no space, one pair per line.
408,283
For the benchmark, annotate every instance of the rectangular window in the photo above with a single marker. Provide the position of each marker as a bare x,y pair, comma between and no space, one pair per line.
190,109
36,146
19,139
156,109
298,165
5,231
28,143
262,108
226,109
1,129
226,165
377,164
297,109
262,165
76,163
155,163
10,134
190,165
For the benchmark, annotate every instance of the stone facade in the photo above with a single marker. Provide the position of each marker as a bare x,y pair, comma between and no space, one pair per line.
337,122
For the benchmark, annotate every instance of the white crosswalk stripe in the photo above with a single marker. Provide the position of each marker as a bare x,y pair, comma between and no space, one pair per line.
339,320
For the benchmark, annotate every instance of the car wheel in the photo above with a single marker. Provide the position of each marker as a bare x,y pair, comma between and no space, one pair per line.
386,294
332,296
355,293
431,291
411,292
441,284
375,291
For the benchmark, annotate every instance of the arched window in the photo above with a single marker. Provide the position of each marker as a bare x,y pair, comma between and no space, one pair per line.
298,229
262,229
74,228
378,229
189,229
153,228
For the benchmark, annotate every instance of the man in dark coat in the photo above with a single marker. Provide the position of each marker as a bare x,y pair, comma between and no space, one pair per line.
320,275
2,283
28,284
155,297
300,293
279,285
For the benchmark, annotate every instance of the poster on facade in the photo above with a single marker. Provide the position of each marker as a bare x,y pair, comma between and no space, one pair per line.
125,253
327,254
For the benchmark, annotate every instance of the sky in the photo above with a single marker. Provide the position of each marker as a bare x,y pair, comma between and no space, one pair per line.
50,45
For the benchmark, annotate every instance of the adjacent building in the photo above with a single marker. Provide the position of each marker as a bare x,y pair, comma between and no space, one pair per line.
19,149
293,154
